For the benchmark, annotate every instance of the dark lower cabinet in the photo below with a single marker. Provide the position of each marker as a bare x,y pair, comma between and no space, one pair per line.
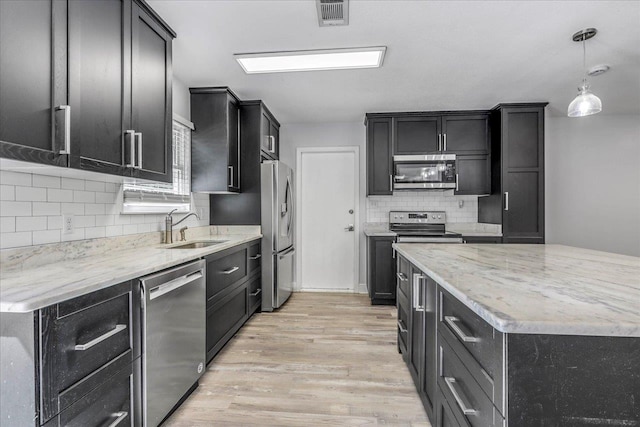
234,293
381,279
480,377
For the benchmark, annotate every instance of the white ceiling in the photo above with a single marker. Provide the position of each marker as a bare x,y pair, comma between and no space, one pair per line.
441,55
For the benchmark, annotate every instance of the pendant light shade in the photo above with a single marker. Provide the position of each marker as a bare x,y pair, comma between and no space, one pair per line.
586,103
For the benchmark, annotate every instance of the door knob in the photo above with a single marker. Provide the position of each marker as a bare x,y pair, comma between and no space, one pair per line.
349,228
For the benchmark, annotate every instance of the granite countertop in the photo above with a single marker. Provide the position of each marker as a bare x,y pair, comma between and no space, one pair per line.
538,289
27,289
372,229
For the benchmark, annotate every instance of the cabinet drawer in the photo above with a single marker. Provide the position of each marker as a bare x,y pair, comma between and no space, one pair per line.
255,294
224,269
255,257
107,404
479,345
462,392
80,336
402,276
224,319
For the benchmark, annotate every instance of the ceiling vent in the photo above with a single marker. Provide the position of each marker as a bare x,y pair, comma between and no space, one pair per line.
333,12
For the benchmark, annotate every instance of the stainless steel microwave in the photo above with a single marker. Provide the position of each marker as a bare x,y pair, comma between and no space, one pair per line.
423,172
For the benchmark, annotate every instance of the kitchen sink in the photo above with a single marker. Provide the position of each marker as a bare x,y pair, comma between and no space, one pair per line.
198,245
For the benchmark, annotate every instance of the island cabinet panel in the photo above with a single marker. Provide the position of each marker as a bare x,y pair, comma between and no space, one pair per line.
561,380
381,278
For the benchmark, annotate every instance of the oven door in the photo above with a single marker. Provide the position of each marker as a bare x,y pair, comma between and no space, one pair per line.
433,171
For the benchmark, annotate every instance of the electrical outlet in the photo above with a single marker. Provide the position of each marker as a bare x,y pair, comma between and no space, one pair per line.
461,203
67,223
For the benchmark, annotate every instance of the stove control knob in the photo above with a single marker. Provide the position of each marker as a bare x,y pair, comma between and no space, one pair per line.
433,216
439,216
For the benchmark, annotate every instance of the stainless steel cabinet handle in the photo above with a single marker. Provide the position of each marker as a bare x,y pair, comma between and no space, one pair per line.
450,381
401,276
272,143
132,147
67,128
231,270
258,256
174,284
121,417
256,293
139,140
403,330
439,142
96,341
390,182
457,185
230,176
416,289
506,200
444,141
452,322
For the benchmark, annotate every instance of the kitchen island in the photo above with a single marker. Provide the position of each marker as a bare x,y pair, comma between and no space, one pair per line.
521,335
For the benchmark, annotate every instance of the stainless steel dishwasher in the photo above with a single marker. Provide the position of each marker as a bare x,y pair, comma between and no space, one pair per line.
173,340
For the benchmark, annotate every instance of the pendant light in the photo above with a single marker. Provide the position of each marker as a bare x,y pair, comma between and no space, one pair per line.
586,103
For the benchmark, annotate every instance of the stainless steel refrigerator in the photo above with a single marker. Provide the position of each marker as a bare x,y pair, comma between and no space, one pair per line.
278,230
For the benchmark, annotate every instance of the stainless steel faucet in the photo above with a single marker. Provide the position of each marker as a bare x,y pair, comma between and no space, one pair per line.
168,221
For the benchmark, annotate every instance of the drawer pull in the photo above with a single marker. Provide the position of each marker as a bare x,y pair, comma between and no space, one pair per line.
93,342
403,330
121,417
402,276
417,278
231,270
452,322
255,257
256,293
465,410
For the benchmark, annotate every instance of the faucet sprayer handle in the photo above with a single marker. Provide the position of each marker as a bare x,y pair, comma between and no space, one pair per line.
169,214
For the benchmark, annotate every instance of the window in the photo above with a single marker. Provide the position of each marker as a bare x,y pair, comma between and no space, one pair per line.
157,197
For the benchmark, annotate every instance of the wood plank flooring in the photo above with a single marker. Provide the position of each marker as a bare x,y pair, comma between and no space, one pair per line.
322,360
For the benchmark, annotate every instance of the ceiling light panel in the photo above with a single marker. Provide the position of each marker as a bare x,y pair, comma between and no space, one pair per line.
311,60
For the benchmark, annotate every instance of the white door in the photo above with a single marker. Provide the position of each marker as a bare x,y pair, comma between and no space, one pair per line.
328,215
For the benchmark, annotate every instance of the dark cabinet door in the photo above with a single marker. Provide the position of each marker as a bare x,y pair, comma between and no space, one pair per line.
28,87
275,139
381,270
473,175
417,135
429,355
416,328
379,157
225,318
233,129
463,134
99,52
268,139
151,96
523,175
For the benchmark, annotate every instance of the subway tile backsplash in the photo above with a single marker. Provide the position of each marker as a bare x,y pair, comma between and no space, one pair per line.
32,206
378,207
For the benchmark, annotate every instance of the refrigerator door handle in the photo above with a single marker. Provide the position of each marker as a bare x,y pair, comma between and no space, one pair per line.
287,253
289,206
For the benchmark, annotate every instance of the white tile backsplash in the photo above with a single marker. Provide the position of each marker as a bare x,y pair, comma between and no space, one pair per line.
32,206
378,207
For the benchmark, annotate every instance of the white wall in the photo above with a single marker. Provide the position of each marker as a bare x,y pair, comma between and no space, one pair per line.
593,182
294,136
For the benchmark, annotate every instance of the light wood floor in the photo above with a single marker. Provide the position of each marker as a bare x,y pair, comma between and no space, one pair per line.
322,360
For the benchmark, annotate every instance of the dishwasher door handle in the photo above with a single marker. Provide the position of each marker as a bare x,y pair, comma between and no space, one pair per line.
174,284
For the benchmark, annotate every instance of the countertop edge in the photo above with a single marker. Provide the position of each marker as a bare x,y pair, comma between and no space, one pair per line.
27,307
513,326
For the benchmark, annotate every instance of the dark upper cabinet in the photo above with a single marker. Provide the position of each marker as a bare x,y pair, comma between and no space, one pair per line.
270,138
151,109
379,157
98,48
474,175
87,84
28,93
517,181
381,279
215,143
465,134
416,135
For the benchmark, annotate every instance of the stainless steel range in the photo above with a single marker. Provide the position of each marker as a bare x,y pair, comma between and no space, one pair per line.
422,227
